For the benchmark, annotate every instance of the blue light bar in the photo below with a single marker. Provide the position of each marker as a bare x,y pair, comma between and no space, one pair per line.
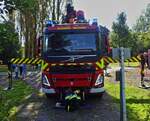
95,22
49,23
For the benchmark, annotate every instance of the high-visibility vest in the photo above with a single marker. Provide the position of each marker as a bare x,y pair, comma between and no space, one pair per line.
72,96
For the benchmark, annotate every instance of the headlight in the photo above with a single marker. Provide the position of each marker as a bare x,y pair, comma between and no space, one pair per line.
45,80
99,80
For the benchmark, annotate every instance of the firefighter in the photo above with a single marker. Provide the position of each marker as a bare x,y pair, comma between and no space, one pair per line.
71,14
143,61
16,72
72,101
24,73
20,70
10,79
146,59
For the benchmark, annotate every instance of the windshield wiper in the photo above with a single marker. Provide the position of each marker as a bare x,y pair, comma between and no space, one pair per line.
84,50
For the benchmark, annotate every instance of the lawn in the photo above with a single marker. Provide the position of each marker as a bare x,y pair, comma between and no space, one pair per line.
138,101
3,68
130,64
11,100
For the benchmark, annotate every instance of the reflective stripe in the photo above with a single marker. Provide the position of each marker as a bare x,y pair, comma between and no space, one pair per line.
105,59
82,63
74,96
16,60
68,108
39,61
26,60
35,61
67,97
20,60
70,97
100,64
61,64
44,65
12,60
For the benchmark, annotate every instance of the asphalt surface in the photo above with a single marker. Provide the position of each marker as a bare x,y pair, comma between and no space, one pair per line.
38,108
42,109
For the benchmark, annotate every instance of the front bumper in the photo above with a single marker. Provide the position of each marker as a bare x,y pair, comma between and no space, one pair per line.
91,91
97,90
48,91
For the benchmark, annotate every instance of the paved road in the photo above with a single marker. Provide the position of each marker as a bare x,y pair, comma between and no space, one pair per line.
38,108
42,109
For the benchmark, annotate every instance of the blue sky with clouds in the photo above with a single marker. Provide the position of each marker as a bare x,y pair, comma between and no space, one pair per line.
106,10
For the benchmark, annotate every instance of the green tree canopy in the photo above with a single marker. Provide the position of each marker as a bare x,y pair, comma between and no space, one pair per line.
9,44
121,36
142,30
31,16
143,22
143,41
120,32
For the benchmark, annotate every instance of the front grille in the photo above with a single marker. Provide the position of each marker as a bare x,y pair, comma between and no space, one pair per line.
72,69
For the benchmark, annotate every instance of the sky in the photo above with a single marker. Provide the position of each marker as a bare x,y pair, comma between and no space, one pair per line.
106,11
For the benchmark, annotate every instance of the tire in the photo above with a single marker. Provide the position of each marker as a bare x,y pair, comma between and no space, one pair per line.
101,95
97,95
48,95
83,96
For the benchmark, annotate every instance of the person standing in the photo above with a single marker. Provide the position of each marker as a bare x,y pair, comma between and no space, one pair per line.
16,72
24,71
142,69
20,70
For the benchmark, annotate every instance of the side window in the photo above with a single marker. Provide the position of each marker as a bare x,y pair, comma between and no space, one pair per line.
103,44
99,42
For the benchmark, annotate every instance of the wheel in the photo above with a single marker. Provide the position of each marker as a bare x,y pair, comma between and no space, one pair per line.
100,96
68,108
48,95
83,96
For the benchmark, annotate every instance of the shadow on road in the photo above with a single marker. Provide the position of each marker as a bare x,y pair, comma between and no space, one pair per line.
39,108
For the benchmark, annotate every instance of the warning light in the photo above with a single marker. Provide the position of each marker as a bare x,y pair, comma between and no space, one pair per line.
95,22
49,23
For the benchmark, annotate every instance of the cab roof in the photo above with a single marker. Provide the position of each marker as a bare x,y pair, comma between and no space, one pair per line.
79,27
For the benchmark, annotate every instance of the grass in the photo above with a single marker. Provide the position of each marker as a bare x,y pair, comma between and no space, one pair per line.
11,100
131,64
137,100
3,68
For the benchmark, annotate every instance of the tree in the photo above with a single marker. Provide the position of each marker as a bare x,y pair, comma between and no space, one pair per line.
9,44
120,35
142,30
143,22
6,6
143,41
32,14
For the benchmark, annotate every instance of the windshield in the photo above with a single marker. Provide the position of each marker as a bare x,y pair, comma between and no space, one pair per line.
62,42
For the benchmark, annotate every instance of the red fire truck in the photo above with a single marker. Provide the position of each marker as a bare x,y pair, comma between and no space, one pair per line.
74,51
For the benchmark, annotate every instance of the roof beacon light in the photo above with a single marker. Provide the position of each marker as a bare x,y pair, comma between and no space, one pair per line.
80,16
95,22
49,23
